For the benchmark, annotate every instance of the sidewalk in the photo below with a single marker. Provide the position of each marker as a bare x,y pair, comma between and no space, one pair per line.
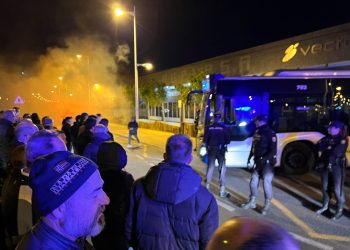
144,134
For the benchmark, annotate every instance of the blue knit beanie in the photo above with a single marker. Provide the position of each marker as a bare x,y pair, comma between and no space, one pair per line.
56,177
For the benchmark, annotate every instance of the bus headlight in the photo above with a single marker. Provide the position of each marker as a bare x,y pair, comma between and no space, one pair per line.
202,151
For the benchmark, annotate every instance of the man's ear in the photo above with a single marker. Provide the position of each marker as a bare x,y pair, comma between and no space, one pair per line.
165,156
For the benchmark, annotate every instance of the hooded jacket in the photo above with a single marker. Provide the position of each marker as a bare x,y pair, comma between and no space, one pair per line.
169,209
91,149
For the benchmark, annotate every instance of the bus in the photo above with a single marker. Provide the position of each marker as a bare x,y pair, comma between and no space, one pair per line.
299,105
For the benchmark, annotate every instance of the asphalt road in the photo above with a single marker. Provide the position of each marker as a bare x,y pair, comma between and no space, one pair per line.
295,197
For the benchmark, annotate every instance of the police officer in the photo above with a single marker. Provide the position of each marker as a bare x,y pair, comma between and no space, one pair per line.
332,163
216,138
264,148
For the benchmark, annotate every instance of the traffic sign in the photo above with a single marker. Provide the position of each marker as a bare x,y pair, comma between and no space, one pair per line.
18,100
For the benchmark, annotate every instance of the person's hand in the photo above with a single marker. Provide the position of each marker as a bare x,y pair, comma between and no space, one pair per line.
329,167
250,166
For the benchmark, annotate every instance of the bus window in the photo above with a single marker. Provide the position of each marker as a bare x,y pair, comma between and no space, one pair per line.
243,110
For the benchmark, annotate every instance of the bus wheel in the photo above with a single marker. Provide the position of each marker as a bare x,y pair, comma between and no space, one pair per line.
297,158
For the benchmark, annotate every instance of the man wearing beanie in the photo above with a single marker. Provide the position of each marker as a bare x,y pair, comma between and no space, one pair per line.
169,209
67,190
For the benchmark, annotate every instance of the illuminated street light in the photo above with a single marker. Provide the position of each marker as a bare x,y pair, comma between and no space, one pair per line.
119,12
80,56
147,66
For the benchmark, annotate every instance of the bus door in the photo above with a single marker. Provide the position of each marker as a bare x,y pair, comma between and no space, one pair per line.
238,111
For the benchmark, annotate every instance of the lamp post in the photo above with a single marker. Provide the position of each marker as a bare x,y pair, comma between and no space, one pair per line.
80,56
148,66
119,12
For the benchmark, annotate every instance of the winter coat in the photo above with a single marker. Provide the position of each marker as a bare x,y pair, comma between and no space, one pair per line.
117,185
169,209
133,126
66,128
82,140
91,149
16,203
7,140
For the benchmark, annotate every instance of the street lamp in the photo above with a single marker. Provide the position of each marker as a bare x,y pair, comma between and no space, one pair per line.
80,56
148,66
119,12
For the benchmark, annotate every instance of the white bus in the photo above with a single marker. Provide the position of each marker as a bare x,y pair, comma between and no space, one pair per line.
299,104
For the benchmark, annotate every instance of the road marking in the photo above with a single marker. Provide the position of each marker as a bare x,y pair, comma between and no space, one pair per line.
289,187
224,205
306,197
305,227
140,157
311,242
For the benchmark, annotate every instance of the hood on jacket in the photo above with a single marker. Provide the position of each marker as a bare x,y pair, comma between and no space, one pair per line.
100,137
171,182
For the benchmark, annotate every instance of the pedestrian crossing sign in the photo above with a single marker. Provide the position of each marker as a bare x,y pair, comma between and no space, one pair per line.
18,100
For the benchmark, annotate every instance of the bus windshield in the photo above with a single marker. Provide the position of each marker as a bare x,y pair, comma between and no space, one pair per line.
292,105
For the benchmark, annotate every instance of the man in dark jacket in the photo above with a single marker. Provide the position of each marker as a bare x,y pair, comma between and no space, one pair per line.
169,209
99,135
133,127
85,136
216,138
263,150
111,160
7,140
67,129
63,184
105,122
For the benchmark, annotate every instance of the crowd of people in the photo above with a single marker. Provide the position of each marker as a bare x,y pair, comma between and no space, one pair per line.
60,187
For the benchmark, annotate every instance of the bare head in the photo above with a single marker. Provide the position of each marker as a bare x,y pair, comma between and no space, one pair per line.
9,115
24,131
42,143
243,233
178,149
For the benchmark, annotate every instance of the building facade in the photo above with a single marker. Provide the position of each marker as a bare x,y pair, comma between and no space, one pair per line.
320,49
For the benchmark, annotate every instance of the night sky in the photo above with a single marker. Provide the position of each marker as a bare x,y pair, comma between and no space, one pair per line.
170,32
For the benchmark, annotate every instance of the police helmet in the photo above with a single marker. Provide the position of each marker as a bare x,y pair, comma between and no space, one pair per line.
336,124
261,118
217,116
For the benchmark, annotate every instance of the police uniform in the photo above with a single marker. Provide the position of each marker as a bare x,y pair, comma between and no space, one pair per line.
263,150
216,138
332,162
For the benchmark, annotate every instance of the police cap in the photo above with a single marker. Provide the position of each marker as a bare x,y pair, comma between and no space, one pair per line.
217,115
262,118
336,124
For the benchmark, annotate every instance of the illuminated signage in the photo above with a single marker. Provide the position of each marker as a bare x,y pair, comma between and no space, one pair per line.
315,48
301,87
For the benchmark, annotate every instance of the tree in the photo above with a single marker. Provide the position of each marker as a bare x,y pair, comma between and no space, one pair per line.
184,89
195,84
154,94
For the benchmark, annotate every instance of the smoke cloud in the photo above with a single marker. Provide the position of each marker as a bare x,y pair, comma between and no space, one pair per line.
81,77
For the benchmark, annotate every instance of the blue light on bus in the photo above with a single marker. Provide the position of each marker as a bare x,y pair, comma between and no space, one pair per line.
205,85
243,108
242,124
